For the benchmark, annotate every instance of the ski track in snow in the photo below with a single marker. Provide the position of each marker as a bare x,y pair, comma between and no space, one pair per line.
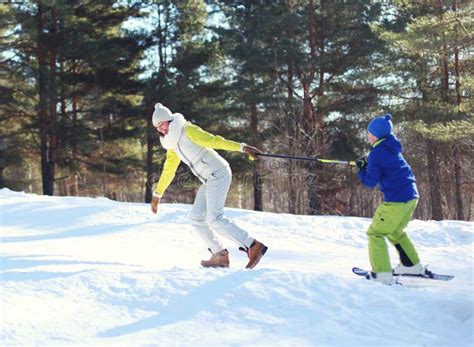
95,272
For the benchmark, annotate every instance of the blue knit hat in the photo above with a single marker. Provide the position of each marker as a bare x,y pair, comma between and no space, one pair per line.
381,126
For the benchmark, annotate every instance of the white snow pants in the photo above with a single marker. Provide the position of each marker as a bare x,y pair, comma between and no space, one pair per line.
207,214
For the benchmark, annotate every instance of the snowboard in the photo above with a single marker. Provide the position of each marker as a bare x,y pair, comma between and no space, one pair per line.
428,275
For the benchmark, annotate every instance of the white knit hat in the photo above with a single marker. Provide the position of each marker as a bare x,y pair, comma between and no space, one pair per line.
161,114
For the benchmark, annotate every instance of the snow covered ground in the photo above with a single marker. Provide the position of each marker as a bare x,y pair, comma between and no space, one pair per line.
95,272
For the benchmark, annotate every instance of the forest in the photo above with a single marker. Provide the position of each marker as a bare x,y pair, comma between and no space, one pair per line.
79,80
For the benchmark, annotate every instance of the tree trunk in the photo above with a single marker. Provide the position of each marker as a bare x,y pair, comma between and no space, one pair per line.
291,117
149,155
75,110
456,151
75,102
313,167
53,139
445,78
313,124
310,144
74,185
434,182
62,96
257,181
2,180
102,155
458,183
47,182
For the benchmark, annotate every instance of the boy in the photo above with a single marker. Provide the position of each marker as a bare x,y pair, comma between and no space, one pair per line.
386,167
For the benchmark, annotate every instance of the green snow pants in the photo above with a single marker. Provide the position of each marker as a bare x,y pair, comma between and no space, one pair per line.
389,220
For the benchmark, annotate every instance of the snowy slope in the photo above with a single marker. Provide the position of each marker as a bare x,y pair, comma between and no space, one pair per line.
83,271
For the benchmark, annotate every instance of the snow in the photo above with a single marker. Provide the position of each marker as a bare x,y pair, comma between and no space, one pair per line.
96,272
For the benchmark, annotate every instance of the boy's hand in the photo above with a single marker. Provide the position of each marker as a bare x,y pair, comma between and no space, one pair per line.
361,163
154,204
251,151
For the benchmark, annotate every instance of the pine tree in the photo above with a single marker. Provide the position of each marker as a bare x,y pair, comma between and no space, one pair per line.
16,108
84,68
319,57
245,39
433,72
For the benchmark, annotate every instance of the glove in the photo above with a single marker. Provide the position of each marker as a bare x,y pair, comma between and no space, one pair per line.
154,204
361,163
251,151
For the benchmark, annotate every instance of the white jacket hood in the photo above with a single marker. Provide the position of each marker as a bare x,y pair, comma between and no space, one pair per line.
177,123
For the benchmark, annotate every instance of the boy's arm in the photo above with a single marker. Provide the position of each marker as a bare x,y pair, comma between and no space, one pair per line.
370,176
208,140
169,170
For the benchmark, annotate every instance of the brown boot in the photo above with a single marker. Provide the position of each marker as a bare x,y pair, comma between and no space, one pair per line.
219,259
255,253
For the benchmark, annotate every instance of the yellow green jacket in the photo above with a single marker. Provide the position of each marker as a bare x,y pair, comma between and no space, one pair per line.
189,143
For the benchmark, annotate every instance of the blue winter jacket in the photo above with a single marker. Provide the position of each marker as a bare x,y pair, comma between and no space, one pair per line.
387,167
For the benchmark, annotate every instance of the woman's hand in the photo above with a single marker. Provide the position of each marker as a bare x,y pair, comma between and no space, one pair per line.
252,152
154,204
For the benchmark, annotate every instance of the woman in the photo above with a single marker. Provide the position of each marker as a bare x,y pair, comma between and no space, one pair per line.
188,143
